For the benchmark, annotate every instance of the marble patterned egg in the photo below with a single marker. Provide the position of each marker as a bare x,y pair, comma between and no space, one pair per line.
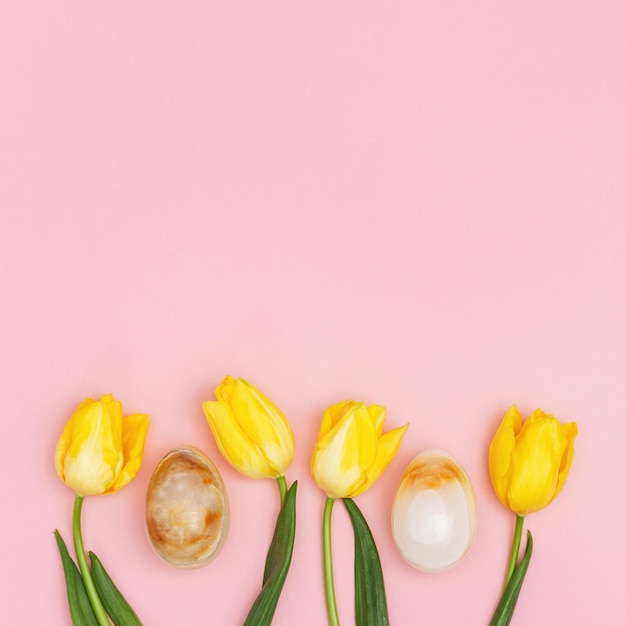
187,512
434,512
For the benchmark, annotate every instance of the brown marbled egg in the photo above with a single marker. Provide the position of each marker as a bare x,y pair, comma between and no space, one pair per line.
187,512
434,512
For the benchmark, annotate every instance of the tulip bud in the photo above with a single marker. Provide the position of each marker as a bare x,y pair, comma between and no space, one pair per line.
250,430
351,451
529,462
100,451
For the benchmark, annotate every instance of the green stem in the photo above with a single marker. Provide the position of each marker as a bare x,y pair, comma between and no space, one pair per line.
92,594
517,537
282,488
329,584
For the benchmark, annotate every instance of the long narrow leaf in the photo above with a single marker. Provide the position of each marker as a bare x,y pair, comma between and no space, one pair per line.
506,606
370,601
80,608
281,546
113,601
277,563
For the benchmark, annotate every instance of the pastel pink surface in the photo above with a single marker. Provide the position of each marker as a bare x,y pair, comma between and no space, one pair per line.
414,204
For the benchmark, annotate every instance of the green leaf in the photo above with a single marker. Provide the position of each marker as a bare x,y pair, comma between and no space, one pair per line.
506,606
80,608
370,601
114,602
277,563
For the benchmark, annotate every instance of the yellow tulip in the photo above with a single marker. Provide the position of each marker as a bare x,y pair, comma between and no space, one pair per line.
251,432
351,451
529,462
100,451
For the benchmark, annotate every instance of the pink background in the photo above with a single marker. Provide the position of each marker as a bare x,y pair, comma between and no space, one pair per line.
417,204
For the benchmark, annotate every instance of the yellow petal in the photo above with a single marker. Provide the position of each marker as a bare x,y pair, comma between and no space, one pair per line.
134,432
224,390
569,430
264,423
89,455
233,443
343,455
333,414
361,440
386,449
535,464
500,452
377,414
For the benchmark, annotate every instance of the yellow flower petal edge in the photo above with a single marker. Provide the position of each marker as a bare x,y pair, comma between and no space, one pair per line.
501,450
134,432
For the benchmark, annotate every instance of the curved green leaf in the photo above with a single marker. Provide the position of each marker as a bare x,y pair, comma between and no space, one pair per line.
113,601
277,563
370,601
80,608
506,606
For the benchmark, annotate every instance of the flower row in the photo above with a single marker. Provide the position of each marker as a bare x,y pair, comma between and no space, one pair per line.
100,451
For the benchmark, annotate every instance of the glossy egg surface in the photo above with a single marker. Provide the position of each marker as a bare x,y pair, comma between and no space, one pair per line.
434,512
187,512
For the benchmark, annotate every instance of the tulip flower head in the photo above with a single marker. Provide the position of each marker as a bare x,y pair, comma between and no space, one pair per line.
529,462
351,450
100,451
251,432
350,455
254,436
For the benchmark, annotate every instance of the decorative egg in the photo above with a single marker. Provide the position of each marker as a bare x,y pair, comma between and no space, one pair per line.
434,512
187,513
